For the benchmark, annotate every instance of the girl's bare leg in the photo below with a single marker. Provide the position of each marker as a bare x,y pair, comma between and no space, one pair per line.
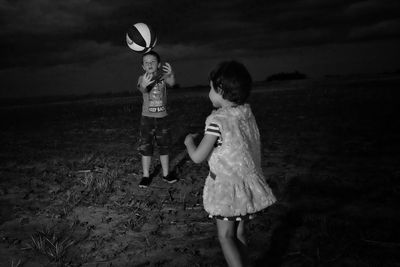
229,243
242,241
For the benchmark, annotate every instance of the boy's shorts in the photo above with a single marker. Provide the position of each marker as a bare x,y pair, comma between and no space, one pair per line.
154,130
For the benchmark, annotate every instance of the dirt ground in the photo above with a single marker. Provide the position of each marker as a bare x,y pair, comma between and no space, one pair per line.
69,174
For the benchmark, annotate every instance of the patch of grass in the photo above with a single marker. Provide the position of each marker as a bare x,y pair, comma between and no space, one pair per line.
54,245
104,183
137,221
99,180
87,178
17,263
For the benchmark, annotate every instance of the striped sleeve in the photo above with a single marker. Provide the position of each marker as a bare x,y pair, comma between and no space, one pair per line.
213,129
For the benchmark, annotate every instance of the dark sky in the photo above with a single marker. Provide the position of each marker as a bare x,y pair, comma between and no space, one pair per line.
51,47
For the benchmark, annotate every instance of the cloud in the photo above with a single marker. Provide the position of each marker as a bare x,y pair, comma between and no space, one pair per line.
42,16
378,30
364,13
363,7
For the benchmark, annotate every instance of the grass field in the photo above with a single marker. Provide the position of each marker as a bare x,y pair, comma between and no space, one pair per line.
69,173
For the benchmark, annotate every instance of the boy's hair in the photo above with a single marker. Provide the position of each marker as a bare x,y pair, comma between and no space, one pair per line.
153,53
232,80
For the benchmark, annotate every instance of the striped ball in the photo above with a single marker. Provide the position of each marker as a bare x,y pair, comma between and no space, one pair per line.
141,38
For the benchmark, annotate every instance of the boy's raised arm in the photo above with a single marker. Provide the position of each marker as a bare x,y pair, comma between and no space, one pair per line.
169,76
144,81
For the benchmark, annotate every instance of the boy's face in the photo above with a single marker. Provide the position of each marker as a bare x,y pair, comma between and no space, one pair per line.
214,96
150,64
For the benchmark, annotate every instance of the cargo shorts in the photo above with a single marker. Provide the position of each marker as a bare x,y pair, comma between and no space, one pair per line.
154,132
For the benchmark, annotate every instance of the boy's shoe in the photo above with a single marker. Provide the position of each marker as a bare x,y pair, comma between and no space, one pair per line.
145,182
170,178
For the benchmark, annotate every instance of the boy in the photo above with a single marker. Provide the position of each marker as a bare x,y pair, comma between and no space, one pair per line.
154,125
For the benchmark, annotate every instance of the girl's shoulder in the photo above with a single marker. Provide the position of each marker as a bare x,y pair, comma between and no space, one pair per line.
216,115
232,114
211,117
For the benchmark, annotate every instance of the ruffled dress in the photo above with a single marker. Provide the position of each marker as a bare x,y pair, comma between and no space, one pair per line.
236,186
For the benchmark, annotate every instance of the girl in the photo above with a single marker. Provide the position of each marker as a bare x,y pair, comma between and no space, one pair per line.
235,188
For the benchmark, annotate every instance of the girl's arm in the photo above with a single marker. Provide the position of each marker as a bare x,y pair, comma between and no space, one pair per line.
201,152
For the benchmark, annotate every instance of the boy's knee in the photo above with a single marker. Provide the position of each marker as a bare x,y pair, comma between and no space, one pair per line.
145,150
163,143
164,150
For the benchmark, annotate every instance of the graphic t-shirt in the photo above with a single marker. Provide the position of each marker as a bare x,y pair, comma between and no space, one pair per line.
155,101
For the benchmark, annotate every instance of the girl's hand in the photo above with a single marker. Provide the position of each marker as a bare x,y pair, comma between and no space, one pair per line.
167,69
189,139
146,80
202,151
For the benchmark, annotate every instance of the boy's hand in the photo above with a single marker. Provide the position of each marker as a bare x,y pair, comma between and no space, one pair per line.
167,69
146,80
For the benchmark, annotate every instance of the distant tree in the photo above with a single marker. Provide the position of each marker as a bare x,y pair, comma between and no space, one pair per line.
286,76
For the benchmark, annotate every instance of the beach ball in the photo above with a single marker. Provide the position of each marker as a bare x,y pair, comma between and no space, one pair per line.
141,38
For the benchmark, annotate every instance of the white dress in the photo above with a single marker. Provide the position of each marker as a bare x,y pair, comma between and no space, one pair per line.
236,185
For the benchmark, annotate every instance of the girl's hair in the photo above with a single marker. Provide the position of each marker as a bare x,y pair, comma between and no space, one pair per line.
232,80
153,53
